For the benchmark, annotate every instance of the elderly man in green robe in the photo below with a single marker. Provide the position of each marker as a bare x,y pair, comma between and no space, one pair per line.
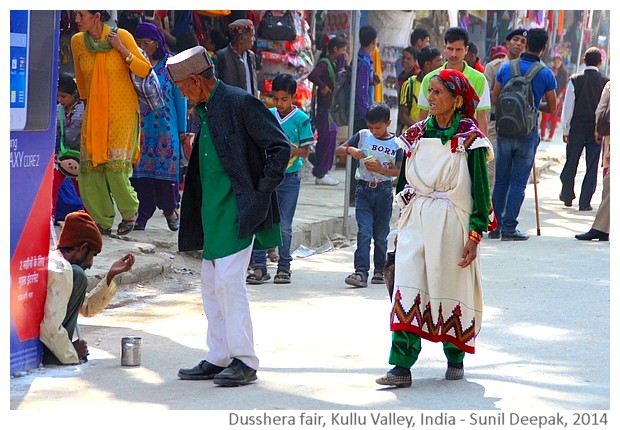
229,201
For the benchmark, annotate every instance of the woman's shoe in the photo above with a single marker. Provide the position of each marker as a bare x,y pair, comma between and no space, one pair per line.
173,224
126,225
392,379
104,231
454,373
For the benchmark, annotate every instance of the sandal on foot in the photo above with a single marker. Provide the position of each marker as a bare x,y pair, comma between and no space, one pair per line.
255,279
282,277
104,231
357,279
273,256
377,278
126,226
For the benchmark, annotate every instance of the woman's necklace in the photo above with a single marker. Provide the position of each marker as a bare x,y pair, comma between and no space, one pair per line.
71,108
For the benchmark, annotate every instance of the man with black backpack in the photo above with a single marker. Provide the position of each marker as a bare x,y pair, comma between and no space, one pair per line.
517,97
515,46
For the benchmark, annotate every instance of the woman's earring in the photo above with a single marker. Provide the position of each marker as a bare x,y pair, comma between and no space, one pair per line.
456,104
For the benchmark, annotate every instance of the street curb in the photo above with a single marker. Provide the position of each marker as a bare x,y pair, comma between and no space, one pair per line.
157,254
160,259
147,268
313,234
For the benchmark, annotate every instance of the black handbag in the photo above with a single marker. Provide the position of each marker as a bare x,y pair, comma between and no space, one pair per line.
277,27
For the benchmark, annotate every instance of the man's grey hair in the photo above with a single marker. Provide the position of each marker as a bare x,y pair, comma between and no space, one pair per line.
209,73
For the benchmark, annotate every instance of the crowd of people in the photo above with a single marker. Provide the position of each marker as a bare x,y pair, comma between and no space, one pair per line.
453,167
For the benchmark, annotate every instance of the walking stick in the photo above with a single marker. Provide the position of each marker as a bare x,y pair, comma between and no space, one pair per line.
536,199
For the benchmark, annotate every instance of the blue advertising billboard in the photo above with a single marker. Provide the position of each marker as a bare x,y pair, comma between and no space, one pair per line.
34,37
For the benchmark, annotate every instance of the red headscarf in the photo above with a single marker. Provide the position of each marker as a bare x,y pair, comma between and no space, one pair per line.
459,85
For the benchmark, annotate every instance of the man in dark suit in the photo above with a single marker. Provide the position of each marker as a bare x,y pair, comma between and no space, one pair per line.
236,64
583,93
229,201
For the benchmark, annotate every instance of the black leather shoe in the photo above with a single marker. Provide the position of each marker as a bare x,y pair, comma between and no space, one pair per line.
202,371
237,373
567,203
495,234
585,208
516,235
593,234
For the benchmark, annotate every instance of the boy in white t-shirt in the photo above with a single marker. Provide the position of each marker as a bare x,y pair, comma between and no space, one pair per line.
379,158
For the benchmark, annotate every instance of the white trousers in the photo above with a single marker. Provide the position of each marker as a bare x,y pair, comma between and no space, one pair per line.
226,305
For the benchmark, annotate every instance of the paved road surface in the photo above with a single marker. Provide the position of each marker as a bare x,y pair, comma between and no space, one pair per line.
544,345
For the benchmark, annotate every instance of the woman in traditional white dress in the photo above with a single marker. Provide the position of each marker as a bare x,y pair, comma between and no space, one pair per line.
445,208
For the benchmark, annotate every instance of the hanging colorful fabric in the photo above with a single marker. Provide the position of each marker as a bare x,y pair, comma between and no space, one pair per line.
201,34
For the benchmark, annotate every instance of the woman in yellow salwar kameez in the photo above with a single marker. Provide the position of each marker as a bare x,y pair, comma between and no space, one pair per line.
103,59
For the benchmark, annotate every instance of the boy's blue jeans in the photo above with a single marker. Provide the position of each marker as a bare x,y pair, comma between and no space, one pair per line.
288,193
513,163
373,211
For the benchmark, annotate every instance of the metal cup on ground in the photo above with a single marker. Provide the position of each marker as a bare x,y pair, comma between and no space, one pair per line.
131,351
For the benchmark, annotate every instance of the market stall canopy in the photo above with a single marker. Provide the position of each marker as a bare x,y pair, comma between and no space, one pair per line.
214,12
394,26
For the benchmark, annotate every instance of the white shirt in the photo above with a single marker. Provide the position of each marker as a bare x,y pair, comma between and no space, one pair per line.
59,288
248,80
569,104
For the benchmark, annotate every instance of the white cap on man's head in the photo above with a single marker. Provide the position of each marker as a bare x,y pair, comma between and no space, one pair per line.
192,61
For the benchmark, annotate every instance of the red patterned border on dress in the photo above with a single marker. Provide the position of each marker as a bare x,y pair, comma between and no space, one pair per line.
414,320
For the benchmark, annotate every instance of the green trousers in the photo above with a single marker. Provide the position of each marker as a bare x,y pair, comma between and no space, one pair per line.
78,293
406,348
101,189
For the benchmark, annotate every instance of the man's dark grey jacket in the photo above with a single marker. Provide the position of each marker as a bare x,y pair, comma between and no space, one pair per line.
253,150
